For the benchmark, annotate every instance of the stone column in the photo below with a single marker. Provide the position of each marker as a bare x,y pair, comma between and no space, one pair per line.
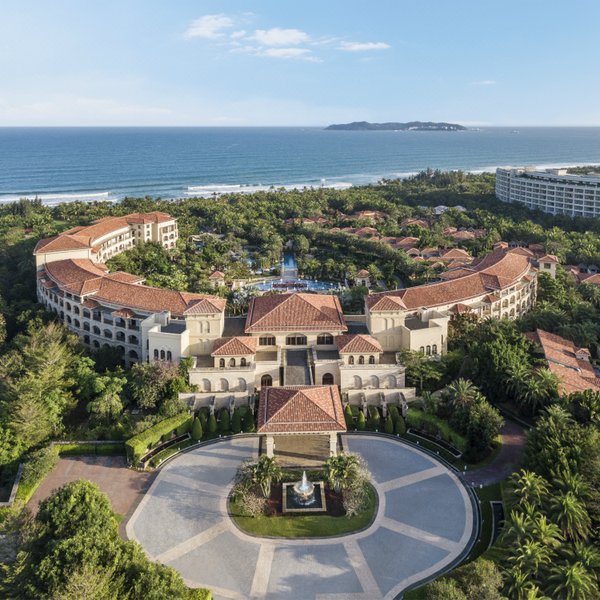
332,444
270,445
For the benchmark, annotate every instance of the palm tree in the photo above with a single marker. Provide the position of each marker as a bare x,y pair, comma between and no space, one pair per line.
530,487
586,554
518,529
546,532
461,393
531,556
342,469
567,481
264,472
518,583
571,516
572,581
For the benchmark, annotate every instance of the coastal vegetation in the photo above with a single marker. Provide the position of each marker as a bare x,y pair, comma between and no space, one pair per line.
52,388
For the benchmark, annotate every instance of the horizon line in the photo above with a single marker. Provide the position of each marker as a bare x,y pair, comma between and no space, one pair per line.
320,126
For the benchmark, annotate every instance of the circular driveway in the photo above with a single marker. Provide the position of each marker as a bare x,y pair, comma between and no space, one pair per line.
425,522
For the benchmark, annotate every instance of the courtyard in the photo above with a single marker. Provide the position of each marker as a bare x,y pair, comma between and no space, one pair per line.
425,523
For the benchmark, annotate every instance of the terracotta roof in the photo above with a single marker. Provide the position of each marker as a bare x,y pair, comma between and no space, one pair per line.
463,235
576,374
412,221
91,304
497,270
357,344
299,409
123,312
234,346
363,273
82,276
125,277
454,253
548,258
460,308
217,275
85,237
591,279
295,312
522,251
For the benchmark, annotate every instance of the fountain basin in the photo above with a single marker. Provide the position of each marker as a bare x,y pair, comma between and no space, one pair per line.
294,503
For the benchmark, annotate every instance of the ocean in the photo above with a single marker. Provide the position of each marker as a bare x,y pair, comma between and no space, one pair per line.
66,164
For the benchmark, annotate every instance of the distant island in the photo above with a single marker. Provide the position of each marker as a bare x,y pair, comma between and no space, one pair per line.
410,126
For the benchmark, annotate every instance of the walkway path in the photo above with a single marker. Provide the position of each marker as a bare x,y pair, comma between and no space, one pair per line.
296,368
424,524
507,461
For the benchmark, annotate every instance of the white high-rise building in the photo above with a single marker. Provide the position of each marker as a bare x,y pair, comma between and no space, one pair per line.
551,190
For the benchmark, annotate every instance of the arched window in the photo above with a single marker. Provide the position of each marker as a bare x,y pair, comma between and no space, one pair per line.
224,384
361,360
232,362
371,360
162,355
391,381
325,339
68,319
327,379
86,314
242,386
206,385
242,362
428,351
155,354
68,306
357,382
96,330
221,363
266,340
133,339
266,381
86,339
351,360
76,310
296,340
434,349
133,354
422,349
169,356
121,336
108,334
374,381
96,344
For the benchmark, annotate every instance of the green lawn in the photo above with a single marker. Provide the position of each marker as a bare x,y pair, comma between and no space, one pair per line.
295,526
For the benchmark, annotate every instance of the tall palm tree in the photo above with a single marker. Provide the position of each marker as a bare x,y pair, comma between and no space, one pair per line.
518,583
587,555
531,556
572,581
530,487
342,469
568,481
571,516
546,532
518,529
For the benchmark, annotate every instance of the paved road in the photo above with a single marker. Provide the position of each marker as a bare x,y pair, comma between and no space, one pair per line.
508,460
423,525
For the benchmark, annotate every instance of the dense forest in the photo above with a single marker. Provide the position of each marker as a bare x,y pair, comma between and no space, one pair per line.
52,388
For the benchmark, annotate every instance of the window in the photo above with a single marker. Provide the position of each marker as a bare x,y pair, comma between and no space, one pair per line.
325,339
266,381
327,379
428,352
96,330
232,362
371,360
434,349
422,349
221,363
169,356
242,362
133,339
155,354
266,340
162,355
133,354
296,340
351,360
361,360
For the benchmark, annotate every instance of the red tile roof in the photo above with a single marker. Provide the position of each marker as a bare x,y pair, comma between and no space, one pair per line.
497,270
363,273
234,346
576,374
82,277
300,409
295,312
217,275
357,344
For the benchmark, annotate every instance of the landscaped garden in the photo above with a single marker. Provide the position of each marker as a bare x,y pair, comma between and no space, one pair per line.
257,503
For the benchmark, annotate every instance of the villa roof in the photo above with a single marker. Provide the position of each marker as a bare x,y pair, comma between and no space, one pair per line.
300,409
217,275
357,344
295,312
234,346
576,374
548,258
498,270
363,273
454,253
83,277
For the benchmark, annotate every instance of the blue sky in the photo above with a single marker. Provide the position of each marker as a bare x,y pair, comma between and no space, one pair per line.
158,62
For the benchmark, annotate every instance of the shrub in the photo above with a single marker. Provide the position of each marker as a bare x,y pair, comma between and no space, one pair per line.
421,421
374,418
225,422
393,412
36,466
236,421
389,424
184,428
89,449
348,416
249,426
197,431
361,424
139,444
248,500
212,424
157,459
400,427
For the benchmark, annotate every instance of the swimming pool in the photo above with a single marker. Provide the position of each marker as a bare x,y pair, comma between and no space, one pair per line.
296,285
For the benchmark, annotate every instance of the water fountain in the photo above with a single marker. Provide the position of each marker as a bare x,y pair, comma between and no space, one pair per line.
304,496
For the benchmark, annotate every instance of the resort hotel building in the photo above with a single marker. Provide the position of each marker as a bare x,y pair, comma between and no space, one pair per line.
551,190
290,340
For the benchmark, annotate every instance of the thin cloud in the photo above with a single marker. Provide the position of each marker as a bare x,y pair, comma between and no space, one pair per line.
209,27
299,53
484,82
280,37
236,35
362,46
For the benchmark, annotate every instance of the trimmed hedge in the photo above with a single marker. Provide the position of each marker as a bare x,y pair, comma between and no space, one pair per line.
422,421
90,449
35,468
139,444
164,454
